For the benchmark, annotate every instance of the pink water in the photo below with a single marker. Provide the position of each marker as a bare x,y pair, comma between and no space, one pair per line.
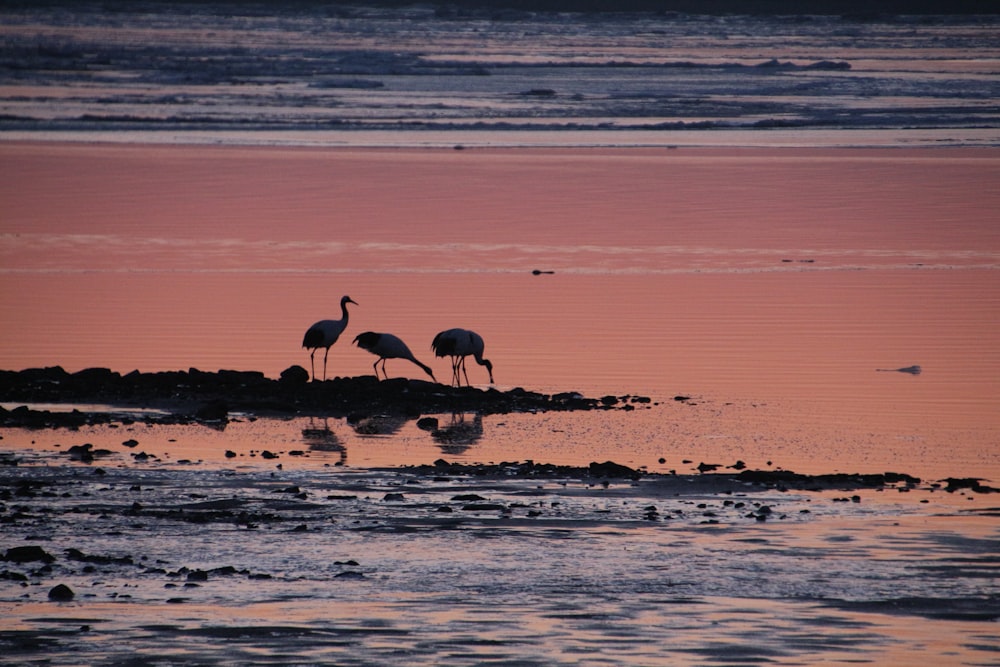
778,279
768,285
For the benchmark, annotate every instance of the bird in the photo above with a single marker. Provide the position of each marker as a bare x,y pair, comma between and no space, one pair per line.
386,346
458,344
324,334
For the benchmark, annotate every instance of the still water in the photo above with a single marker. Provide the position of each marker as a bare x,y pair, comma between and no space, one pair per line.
213,200
794,281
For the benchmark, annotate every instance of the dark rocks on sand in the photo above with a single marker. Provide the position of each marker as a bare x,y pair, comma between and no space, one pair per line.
484,507
28,554
81,453
529,469
61,593
971,483
612,469
295,375
193,395
428,423
787,478
216,410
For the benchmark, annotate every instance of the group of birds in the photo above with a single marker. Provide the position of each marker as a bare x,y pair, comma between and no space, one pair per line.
454,343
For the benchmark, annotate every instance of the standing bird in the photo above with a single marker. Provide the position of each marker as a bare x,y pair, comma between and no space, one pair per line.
458,344
324,334
386,346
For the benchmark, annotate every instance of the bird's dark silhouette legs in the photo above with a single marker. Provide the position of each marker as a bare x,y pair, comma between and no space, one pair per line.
312,363
466,374
324,363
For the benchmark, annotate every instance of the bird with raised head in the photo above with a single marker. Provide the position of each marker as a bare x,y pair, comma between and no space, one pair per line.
324,334
459,344
386,346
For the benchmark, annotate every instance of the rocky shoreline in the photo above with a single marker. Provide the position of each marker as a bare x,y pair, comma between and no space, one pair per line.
202,396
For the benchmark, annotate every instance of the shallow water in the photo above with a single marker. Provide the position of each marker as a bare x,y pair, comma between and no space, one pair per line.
365,567
780,288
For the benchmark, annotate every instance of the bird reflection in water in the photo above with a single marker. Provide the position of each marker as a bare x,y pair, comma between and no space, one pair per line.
460,434
374,426
320,438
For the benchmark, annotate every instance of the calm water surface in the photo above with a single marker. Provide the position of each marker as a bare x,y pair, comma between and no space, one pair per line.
797,282
780,288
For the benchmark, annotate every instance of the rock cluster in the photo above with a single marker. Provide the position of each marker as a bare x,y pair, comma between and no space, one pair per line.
194,395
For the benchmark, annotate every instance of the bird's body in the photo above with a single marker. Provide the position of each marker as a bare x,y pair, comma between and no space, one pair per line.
386,346
459,344
324,334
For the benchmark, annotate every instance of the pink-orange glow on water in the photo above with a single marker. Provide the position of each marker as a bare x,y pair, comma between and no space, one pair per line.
780,289
778,277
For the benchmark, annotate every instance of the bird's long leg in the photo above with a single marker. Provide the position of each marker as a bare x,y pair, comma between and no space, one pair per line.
386,375
324,363
455,378
466,373
312,363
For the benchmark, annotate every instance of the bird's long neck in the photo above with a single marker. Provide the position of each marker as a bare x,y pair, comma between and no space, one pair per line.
343,312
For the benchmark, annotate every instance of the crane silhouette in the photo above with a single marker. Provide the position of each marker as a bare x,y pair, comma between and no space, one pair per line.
386,346
324,334
459,344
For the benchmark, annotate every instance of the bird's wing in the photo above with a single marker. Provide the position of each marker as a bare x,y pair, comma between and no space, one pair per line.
314,337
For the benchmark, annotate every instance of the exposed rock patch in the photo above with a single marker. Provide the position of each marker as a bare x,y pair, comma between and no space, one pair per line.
210,397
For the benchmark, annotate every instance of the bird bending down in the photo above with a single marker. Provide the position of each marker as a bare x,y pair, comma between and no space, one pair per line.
324,334
386,346
458,344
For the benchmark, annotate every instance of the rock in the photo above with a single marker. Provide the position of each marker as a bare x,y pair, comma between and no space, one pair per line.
468,497
295,375
217,410
28,554
612,469
61,593
972,483
195,395
428,423
91,375
484,507
83,453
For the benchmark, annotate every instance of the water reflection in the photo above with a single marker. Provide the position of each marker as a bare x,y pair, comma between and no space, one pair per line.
377,425
461,432
320,438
